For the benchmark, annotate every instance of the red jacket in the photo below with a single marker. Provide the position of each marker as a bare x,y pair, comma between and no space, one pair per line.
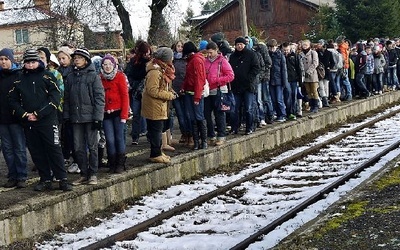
222,77
195,76
116,94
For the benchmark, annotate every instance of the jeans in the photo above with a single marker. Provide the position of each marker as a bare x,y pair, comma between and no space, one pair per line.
138,122
360,81
86,139
260,102
291,99
247,99
392,77
182,114
377,81
266,97
14,150
115,135
334,79
346,84
154,133
196,112
277,100
220,117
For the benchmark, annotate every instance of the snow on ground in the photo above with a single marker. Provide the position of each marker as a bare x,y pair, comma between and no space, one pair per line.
165,199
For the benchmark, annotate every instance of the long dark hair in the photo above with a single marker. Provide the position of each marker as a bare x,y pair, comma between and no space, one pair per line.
141,49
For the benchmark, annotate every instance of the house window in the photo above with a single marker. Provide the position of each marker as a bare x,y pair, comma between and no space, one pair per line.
21,36
264,4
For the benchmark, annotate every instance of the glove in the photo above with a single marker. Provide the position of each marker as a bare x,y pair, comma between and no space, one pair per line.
97,125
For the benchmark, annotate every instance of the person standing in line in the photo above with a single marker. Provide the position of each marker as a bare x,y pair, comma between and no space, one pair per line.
12,135
219,73
310,61
84,109
156,94
379,69
115,113
193,86
35,98
246,67
344,49
325,55
136,72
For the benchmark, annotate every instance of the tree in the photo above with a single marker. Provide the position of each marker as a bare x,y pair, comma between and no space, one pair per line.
157,21
324,25
368,18
125,21
214,5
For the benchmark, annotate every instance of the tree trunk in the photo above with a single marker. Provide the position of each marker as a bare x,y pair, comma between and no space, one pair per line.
156,8
126,23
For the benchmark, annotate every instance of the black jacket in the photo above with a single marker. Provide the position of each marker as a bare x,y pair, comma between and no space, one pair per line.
7,78
36,91
295,69
326,57
246,67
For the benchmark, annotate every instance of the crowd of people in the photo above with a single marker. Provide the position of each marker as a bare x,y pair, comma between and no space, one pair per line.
68,107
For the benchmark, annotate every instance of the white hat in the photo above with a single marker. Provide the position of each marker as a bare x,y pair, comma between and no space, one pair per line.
54,59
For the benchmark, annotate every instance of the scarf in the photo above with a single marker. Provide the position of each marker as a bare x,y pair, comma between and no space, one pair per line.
167,69
111,75
305,51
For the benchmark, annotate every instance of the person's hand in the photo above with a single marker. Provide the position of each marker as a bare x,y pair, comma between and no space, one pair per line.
196,103
97,125
123,120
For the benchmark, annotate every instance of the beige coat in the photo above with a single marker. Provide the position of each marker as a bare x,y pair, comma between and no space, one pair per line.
310,62
156,94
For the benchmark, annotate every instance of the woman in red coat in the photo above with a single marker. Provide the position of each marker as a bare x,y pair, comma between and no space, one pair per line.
115,112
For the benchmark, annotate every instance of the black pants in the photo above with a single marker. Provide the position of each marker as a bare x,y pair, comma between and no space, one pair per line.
154,131
45,149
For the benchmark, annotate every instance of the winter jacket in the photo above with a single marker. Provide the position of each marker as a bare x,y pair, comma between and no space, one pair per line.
265,70
136,74
336,56
246,67
379,63
295,69
84,96
361,62
116,94
7,78
36,92
279,76
156,94
392,58
370,64
195,76
310,62
180,71
326,57
344,50
219,73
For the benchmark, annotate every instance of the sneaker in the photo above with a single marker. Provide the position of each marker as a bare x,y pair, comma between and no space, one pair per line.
135,142
65,186
160,159
220,141
92,180
292,117
67,163
212,140
21,184
80,181
263,123
74,169
10,183
249,132
280,119
43,186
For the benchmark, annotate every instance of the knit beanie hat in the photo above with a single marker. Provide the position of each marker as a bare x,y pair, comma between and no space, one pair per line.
240,39
164,54
111,58
46,51
188,48
7,53
203,45
66,50
31,55
82,52
217,37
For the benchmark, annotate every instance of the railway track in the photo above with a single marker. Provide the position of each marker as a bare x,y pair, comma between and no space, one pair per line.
285,186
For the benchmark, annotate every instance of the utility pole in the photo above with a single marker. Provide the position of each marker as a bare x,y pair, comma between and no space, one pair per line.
243,17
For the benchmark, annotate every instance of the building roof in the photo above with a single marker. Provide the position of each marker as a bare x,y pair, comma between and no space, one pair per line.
22,15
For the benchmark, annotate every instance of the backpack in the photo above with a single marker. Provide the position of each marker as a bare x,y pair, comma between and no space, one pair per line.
338,58
320,68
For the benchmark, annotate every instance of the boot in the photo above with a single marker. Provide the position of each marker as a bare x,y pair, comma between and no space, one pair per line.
164,144
100,156
325,102
300,108
190,141
120,163
307,106
337,96
195,136
111,163
184,138
203,133
314,105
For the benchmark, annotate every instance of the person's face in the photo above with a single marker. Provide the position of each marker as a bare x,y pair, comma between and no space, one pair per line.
31,65
5,63
79,61
147,55
273,48
368,50
286,50
179,47
239,46
107,66
43,58
64,59
305,45
212,53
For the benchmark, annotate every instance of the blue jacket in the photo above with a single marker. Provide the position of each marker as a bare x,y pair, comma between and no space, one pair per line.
278,69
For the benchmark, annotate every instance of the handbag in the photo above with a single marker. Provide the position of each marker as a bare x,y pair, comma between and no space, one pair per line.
225,102
320,68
